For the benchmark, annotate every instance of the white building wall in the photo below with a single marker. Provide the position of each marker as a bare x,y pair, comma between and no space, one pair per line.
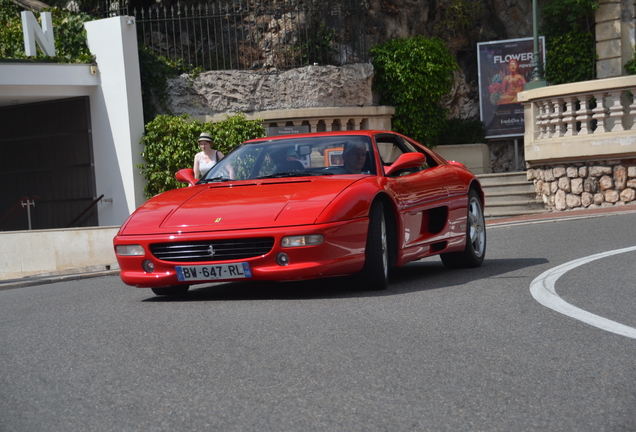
117,117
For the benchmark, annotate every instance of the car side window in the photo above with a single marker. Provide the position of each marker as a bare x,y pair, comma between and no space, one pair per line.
389,151
391,147
430,162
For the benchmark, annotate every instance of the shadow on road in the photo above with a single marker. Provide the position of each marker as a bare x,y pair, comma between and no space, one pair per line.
422,275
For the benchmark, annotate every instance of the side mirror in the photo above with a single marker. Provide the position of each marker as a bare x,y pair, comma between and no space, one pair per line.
407,160
186,175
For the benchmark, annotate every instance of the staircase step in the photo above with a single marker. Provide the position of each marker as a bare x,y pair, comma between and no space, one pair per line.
509,194
514,201
510,213
509,189
487,180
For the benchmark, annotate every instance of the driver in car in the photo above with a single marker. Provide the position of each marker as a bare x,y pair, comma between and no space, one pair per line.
354,156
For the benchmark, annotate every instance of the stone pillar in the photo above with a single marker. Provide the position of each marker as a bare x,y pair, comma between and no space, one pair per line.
614,36
313,125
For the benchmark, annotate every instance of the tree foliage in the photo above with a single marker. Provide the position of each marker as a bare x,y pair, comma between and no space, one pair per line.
170,143
413,75
68,27
568,26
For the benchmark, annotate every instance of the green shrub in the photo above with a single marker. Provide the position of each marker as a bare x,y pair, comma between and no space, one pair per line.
413,75
170,144
70,35
571,58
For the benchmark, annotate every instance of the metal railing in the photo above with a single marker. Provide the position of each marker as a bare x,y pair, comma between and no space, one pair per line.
86,210
252,34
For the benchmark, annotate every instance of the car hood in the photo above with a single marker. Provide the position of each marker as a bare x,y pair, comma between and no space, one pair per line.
239,205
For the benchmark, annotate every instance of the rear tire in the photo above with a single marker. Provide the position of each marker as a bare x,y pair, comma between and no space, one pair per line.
375,274
178,290
475,251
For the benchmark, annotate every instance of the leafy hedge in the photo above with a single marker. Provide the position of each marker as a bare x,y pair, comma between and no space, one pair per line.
413,75
568,26
170,144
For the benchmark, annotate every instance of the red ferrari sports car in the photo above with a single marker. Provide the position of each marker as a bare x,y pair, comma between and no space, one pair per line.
306,206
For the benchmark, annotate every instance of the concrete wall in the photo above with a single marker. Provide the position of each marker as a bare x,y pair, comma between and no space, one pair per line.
476,157
26,253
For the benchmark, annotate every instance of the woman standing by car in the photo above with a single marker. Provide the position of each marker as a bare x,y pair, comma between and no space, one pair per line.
207,157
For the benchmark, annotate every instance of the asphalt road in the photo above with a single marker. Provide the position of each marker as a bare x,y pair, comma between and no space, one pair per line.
440,350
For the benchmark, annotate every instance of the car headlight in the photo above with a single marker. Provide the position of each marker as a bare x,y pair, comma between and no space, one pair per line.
129,250
302,240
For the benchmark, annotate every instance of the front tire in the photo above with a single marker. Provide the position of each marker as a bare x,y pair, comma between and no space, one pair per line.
375,274
475,251
178,290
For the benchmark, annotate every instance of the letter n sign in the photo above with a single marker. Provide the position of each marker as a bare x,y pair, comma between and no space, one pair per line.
33,33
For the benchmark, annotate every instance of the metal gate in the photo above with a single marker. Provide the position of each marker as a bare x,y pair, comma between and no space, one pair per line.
252,34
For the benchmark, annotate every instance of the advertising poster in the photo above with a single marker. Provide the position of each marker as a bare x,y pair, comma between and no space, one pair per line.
504,67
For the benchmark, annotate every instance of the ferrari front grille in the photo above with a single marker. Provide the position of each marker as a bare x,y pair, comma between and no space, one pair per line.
217,250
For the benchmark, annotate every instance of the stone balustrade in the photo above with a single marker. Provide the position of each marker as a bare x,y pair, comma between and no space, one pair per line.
580,121
324,119
580,143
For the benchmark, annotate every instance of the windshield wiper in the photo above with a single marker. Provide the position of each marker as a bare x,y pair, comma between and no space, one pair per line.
214,179
296,173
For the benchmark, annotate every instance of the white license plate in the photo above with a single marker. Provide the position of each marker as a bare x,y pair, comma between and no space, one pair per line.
213,272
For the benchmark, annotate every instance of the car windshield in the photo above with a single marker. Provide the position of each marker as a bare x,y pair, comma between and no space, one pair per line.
289,157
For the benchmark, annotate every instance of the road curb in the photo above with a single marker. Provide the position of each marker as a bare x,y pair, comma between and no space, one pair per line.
43,280
561,216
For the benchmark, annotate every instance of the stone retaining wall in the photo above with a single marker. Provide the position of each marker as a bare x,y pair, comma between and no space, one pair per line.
590,184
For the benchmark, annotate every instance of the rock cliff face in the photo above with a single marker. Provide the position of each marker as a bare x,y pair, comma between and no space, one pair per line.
492,19
461,23
308,87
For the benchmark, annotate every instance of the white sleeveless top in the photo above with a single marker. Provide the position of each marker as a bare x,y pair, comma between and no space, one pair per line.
205,167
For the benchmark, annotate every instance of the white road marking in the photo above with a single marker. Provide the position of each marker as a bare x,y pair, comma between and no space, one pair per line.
543,291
